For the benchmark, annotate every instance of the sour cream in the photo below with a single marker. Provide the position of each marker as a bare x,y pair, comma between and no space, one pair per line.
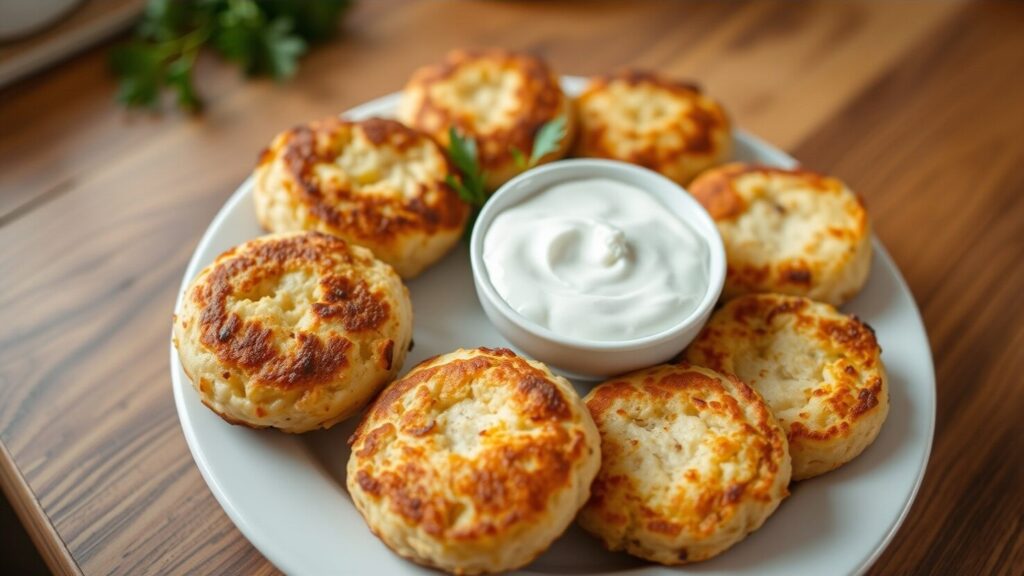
597,260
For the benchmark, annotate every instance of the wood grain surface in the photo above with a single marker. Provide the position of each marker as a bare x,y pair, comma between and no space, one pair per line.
919,106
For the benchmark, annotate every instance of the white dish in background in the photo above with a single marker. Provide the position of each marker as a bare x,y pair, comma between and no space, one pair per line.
63,27
20,18
287,493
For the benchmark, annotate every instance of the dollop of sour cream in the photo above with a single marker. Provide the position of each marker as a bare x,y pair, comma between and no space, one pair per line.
597,260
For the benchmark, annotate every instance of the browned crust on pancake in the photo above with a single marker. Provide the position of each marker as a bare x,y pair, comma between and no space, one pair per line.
358,216
509,482
247,346
715,188
635,77
715,504
757,316
697,139
717,191
540,95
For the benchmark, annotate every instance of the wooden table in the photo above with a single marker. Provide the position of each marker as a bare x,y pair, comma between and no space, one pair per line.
919,106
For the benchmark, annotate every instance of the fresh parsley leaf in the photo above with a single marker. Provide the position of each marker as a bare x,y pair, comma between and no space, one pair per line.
463,153
140,68
262,36
179,77
238,34
165,20
519,158
281,49
260,46
470,185
548,138
313,21
457,185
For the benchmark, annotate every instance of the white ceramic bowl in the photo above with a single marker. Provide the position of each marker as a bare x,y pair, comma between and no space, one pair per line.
588,359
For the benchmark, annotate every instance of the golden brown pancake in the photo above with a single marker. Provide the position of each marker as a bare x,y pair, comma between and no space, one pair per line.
787,231
819,370
691,462
497,97
473,462
668,126
293,331
375,183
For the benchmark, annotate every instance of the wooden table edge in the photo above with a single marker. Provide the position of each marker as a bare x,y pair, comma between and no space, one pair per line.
48,542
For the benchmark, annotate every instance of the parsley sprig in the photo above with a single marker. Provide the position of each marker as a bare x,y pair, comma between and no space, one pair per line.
548,138
470,184
264,37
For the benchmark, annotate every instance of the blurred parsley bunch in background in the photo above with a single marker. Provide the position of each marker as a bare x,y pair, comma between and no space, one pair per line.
265,37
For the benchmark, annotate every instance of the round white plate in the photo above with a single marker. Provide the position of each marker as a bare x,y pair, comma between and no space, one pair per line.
287,493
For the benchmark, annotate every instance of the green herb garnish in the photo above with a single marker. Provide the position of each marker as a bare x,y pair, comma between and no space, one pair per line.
548,138
265,37
470,183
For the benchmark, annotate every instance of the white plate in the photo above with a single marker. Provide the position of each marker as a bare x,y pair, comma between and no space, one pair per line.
287,493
